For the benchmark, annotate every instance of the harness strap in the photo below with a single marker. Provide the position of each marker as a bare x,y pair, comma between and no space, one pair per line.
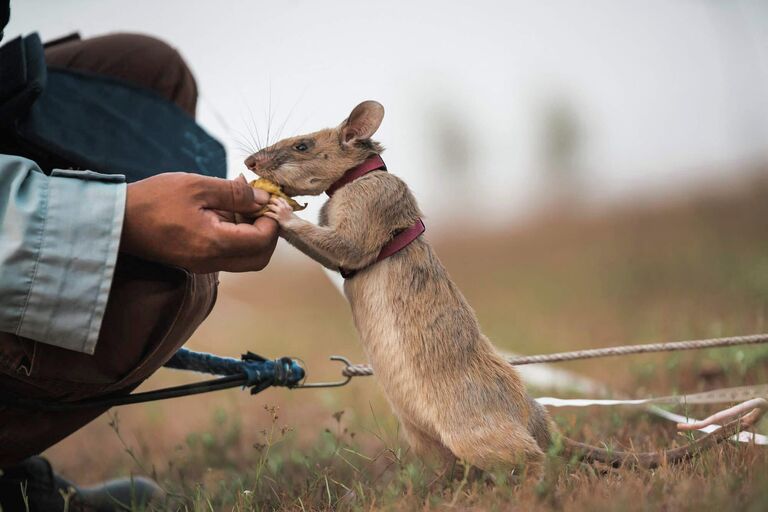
399,241
373,163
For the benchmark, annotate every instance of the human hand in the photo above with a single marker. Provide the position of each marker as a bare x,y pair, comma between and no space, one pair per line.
187,220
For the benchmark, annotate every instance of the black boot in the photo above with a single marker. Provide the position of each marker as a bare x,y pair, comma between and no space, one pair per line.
32,486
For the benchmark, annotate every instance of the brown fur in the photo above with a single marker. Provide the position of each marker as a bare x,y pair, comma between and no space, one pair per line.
454,394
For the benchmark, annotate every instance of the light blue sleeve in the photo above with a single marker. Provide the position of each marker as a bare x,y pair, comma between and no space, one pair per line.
59,238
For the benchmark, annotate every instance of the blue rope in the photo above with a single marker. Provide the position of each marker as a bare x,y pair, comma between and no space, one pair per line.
252,371
260,372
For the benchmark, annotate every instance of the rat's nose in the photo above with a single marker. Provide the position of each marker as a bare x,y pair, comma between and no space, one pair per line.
252,161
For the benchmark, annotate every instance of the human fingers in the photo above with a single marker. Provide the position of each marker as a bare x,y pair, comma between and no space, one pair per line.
245,239
232,195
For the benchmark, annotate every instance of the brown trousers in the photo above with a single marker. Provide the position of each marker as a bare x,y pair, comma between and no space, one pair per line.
152,309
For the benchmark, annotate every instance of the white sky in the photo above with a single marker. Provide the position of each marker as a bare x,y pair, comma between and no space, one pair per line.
667,92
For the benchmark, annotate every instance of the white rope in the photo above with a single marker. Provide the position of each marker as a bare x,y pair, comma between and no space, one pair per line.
752,394
717,396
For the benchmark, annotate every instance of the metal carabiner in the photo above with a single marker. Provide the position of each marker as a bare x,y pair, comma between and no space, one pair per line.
329,384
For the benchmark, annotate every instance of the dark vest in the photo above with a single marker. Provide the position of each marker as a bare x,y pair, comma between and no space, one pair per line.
75,120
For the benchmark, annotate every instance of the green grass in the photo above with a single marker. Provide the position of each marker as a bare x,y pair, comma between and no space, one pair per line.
630,275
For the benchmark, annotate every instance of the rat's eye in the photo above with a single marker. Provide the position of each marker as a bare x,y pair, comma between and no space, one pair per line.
300,147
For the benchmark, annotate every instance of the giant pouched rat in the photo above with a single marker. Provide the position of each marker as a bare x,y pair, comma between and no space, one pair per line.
453,393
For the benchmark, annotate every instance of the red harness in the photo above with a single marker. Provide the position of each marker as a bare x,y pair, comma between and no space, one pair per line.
399,241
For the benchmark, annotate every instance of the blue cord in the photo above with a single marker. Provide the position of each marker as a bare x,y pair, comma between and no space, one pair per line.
260,372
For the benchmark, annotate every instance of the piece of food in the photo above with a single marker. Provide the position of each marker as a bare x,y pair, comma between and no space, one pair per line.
274,190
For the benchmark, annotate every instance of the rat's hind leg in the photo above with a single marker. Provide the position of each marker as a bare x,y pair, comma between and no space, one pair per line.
423,445
489,446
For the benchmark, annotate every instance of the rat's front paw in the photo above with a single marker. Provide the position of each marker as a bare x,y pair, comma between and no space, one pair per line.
281,211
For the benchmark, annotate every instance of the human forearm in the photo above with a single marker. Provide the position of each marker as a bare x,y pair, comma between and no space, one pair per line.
59,238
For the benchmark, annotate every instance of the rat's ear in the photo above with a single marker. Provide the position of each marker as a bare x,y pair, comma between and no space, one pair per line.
362,123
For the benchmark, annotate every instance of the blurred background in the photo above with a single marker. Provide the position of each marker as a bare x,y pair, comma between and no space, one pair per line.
592,173
522,104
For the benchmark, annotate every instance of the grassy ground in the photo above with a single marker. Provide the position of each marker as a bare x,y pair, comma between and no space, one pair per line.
628,275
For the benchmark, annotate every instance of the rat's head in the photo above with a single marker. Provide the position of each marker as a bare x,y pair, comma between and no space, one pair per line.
309,164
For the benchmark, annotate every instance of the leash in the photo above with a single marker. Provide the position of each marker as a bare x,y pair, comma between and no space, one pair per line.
251,371
258,373
365,370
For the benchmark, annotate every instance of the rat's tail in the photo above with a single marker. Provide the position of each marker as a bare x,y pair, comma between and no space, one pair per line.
589,453
649,460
